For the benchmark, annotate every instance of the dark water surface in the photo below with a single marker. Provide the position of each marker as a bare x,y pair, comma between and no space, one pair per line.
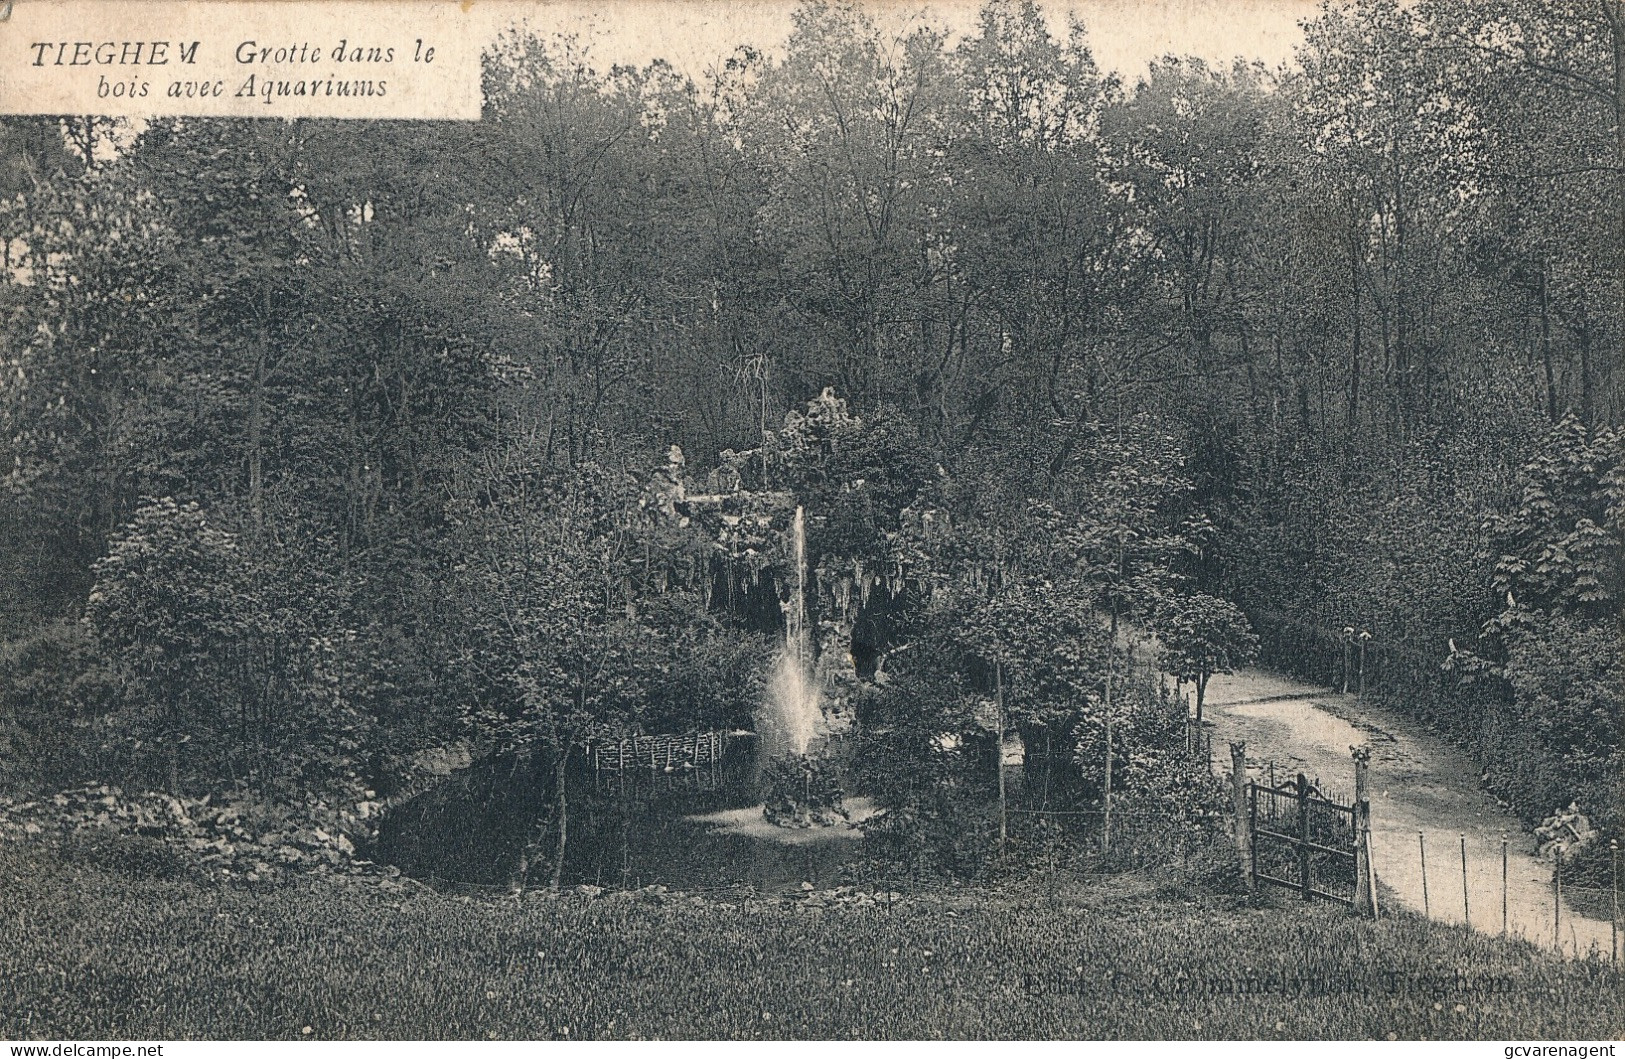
475,826
689,829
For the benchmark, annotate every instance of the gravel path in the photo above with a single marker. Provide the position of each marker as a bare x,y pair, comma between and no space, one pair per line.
1419,785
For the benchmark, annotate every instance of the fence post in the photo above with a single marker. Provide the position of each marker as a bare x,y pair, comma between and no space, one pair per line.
1557,899
1365,637
1252,817
998,758
1365,876
1466,912
1613,924
1371,867
1422,848
1244,823
1503,884
1303,834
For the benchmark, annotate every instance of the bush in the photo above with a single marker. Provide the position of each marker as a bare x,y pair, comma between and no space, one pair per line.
1559,737
939,817
801,791
53,707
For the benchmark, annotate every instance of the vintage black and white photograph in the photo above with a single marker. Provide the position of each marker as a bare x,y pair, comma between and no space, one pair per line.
805,520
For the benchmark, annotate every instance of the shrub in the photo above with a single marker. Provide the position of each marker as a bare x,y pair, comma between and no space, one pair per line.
801,791
53,707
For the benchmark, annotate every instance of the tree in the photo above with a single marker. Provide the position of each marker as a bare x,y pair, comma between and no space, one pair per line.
1554,638
1035,256
853,124
560,654
165,607
1202,635
1544,84
1561,549
576,633
1189,139
1041,647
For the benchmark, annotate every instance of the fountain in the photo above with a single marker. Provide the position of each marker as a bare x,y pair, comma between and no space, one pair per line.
793,715
798,777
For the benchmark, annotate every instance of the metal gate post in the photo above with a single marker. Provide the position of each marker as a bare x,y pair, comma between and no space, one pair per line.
1303,834
1244,820
1365,880
1252,828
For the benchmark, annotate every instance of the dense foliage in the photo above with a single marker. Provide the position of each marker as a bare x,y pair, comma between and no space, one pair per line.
329,443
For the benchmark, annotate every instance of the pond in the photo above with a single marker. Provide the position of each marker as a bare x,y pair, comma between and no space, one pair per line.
697,829
693,828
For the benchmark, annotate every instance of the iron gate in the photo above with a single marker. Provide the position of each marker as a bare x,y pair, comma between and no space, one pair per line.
1304,840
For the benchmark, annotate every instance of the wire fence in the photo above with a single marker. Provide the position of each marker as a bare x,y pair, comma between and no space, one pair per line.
1573,918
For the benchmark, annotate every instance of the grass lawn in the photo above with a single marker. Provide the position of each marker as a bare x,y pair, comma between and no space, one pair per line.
89,953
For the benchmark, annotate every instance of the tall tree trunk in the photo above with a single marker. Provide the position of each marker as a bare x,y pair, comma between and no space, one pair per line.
626,827
1354,319
1004,822
1588,399
1277,385
1111,669
256,406
561,758
1402,336
1546,347
1106,819
256,417
1614,12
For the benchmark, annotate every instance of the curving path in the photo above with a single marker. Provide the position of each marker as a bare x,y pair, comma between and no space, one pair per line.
1419,784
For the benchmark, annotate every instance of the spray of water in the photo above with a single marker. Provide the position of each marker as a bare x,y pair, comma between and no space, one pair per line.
793,712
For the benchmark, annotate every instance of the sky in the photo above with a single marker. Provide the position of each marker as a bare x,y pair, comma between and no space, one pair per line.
1125,35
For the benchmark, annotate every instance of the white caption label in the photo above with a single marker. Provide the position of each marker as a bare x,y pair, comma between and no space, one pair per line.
391,59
